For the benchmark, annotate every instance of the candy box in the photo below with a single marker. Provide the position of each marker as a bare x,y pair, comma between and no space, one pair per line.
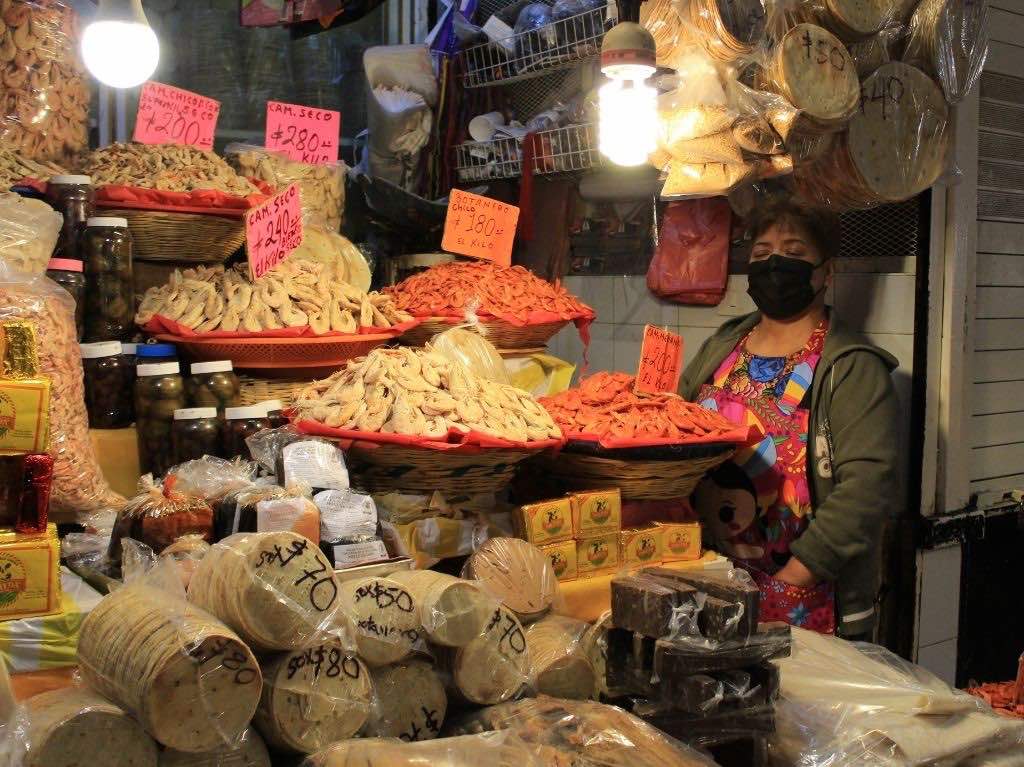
545,522
597,555
597,512
563,559
29,582
681,541
641,547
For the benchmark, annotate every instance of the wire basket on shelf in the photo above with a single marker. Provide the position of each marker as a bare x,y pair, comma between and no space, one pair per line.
570,149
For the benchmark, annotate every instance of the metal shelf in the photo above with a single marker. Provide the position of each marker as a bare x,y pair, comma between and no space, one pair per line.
561,45
570,149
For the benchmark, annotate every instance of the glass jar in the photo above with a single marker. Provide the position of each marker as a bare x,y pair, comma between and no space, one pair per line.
213,384
241,423
159,391
275,413
196,432
74,198
128,352
146,354
68,273
106,248
108,380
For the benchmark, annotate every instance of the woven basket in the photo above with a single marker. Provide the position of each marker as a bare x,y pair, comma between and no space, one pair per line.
502,334
386,468
254,390
164,236
641,480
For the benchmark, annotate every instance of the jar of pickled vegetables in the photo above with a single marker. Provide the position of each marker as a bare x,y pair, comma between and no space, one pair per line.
241,423
74,198
128,352
106,249
275,413
151,353
108,381
68,273
213,384
195,433
159,391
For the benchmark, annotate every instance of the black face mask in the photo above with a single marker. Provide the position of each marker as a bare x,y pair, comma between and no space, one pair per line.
781,286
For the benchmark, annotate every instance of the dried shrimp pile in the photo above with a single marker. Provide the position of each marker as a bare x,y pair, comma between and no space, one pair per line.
486,289
295,294
423,394
165,167
14,167
604,405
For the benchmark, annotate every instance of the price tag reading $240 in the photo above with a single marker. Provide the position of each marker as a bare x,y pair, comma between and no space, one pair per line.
305,134
169,115
273,230
661,360
480,227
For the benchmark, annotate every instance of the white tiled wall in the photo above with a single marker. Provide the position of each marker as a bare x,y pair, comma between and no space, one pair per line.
938,573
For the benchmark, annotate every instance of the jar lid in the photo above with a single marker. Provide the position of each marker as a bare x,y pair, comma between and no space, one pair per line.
189,413
157,369
100,349
107,221
70,179
271,405
128,349
155,350
248,411
216,366
65,264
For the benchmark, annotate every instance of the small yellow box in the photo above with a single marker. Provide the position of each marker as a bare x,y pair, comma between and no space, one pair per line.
24,415
597,512
681,541
29,577
597,555
642,547
563,559
545,522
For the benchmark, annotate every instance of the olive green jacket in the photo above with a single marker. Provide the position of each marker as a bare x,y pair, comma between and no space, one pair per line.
852,461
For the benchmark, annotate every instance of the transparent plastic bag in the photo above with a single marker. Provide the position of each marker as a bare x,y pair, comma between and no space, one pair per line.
516,573
211,478
850,20
78,484
326,246
472,350
251,751
159,515
15,167
495,749
847,703
410,702
949,40
28,233
46,93
453,612
559,664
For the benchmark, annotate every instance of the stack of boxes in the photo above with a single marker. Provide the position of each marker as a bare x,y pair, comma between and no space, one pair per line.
582,534
687,647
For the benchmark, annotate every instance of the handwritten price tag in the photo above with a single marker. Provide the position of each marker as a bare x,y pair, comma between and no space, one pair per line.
303,133
272,231
169,115
661,361
480,227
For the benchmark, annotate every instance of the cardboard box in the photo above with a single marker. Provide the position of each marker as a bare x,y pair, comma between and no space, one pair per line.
597,555
563,559
24,415
545,522
596,512
681,541
29,580
642,547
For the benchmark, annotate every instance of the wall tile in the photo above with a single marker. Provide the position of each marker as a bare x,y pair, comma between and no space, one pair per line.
601,350
938,608
940,659
627,340
876,303
693,337
634,304
595,292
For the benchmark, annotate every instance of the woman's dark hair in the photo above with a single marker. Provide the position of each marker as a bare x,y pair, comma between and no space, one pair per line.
820,226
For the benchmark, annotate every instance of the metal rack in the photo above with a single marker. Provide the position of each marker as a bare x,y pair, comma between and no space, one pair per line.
560,45
569,149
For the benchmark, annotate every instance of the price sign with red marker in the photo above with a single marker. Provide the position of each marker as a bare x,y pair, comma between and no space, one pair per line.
305,134
480,227
169,115
273,230
661,361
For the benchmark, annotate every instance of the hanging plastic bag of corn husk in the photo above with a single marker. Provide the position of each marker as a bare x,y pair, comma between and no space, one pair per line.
948,39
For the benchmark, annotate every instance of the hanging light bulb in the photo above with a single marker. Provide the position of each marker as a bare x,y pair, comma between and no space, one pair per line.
628,107
119,47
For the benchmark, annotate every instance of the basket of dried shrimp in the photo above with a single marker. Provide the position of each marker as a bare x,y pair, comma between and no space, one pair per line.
504,335
649,446
415,421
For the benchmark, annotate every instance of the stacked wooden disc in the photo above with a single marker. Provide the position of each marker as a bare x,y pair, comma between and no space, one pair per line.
517,574
452,611
728,29
71,727
494,666
894,147
559,664
385,617
949,40
313,697
182,674
410,702
250,752
277,590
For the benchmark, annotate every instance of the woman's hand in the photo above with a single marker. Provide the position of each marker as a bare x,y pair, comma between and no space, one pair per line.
796,574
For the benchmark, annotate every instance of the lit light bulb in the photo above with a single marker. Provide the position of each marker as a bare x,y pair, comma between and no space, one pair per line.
119,47
628,108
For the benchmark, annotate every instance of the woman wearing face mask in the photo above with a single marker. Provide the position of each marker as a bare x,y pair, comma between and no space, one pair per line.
823,476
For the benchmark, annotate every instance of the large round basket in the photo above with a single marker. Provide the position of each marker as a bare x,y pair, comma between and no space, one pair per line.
640,479
166,236
503,335
259,389
381,468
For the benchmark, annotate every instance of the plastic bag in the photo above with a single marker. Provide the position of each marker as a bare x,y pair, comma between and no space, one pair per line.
559,664
950,41
691,260
453,612
497,749
535,35
46,93
850,20
847,703
28,233
78,484
410,703
249,752
158,516
210,477
328,247
516,573
472,350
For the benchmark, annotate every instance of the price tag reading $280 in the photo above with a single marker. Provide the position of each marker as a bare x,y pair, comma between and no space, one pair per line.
305,134
273,230
480,227
169,115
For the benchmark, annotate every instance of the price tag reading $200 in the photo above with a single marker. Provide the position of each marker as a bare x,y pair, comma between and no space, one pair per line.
305,134
273,230
480,227
661,360
169,115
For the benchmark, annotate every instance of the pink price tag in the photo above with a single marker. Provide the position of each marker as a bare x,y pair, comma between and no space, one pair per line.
169,115
661,361
305,134
272,231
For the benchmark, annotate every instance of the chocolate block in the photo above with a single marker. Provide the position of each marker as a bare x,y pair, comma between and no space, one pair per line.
767,682
721,587
619,659
699,694
720,727
643,605
684,621
678,659
741,751
642,664
719,620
